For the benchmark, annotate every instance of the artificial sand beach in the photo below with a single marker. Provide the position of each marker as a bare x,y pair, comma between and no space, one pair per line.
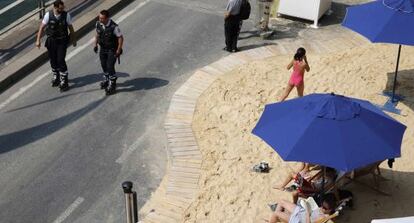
229,109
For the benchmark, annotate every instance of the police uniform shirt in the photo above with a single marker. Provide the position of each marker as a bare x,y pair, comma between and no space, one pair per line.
45,20
233,7
117,30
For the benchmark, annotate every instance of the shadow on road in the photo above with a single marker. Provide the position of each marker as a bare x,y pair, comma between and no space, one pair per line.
50,100
21,138
88,79
141,83
126,86
253,46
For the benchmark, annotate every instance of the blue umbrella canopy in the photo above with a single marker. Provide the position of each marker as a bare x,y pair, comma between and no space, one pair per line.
330,130
386,21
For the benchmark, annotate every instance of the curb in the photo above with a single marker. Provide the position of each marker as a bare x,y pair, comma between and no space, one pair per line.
35,58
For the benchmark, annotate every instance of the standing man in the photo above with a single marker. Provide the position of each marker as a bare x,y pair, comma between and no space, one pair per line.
57,22
110,39
232,24
264,23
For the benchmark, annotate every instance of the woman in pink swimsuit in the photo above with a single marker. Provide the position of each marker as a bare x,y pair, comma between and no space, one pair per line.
300,65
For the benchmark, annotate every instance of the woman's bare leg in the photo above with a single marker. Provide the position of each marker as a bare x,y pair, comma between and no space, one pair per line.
280,214
295,196
286,205
300,88
287,91
287,180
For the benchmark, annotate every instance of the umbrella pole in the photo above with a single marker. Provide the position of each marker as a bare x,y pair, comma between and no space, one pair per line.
395,76
323,180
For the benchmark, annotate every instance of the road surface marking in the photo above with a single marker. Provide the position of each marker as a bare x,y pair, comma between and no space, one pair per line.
5,9
125,154
69,210
126,15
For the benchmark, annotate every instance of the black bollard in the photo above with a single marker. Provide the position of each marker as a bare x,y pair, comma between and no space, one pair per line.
127,187
135,206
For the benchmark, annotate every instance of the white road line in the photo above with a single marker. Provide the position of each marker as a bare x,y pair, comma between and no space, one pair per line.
126,15
5,9
69,210
77,50
124,156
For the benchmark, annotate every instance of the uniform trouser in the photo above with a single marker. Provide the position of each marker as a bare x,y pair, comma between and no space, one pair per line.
231,31
108,59
56,49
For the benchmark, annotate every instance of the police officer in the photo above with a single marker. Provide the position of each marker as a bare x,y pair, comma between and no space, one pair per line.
57,22
110,40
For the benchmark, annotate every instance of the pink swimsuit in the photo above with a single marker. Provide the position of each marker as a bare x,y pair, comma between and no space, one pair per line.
296,78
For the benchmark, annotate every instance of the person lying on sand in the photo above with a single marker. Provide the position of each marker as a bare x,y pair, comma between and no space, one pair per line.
291,213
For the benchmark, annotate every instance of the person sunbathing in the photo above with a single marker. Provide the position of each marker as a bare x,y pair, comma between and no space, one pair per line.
306,186
291,213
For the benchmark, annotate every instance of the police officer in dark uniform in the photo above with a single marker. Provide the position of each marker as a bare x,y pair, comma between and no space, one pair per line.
57,22
110,40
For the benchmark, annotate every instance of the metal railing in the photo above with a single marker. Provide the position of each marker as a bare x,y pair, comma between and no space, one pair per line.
42,5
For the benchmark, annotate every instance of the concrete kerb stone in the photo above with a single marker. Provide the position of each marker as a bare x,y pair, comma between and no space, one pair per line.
22,66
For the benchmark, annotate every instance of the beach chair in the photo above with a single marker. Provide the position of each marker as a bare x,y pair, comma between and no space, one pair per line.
330,187
373,170
302,186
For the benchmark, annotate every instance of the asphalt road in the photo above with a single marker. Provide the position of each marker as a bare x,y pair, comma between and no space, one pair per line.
63,156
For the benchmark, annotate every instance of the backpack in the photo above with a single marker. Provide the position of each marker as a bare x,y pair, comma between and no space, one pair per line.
245,9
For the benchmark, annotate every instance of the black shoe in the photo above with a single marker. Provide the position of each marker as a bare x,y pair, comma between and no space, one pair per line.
235,50
104,83
111,88
64,85
55,80
226,49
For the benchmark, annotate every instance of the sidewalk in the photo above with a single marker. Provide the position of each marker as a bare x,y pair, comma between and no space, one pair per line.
32,58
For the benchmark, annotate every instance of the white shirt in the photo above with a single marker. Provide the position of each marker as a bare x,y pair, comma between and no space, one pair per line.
233,7
45,20
117,30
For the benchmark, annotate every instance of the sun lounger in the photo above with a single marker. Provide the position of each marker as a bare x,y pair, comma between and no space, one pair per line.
374,171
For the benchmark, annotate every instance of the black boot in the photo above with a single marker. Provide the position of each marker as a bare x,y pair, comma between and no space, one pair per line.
111,88
55,78
104,83
64,85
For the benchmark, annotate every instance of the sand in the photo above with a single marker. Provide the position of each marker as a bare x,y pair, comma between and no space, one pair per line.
228,110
